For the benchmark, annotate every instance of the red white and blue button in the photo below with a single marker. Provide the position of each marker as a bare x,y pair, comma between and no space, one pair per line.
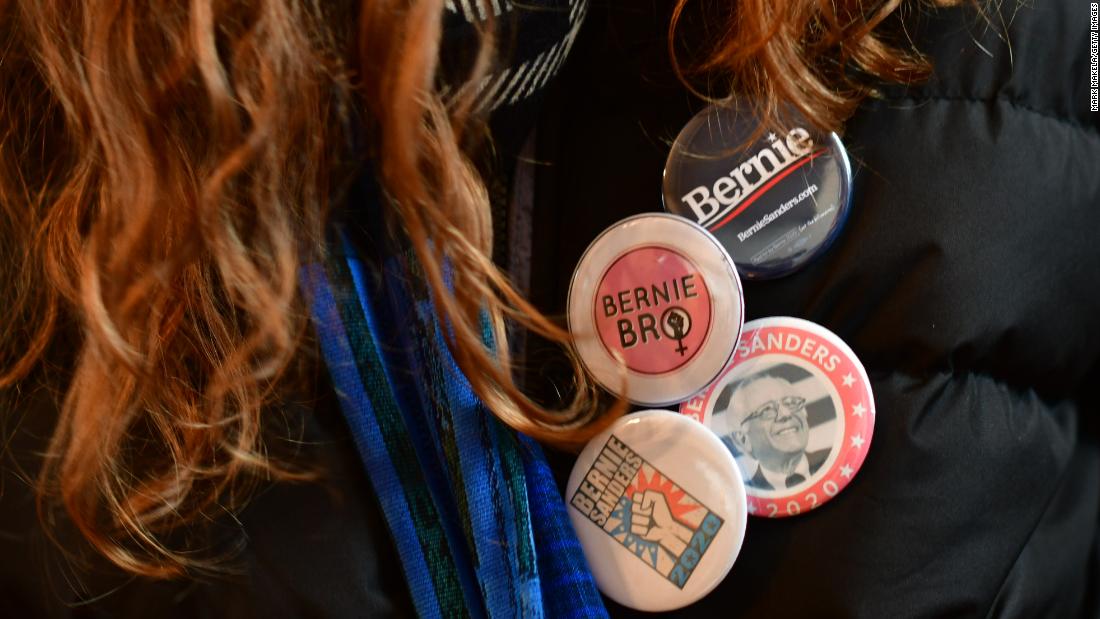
795,408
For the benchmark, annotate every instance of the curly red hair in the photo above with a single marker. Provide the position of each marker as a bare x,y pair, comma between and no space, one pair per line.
165,169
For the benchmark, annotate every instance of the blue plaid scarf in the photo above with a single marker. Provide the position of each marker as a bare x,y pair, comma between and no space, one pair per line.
473,509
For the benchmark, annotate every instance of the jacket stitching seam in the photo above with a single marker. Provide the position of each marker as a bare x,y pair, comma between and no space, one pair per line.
1011,102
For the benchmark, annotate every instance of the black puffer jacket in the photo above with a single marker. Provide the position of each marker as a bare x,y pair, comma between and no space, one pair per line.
967,280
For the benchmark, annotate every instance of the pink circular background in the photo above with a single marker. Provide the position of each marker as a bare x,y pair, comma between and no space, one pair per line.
645,267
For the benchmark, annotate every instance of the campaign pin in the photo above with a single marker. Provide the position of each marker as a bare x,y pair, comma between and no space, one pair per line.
659,508
655,308
775,202
796,410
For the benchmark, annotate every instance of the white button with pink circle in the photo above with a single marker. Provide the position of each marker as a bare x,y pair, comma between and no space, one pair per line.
655,308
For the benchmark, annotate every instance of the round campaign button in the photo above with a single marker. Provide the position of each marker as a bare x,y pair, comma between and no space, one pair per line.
655,308
775,202
659,508
795,408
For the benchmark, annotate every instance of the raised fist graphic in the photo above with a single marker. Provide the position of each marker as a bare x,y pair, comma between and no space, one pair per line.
652,520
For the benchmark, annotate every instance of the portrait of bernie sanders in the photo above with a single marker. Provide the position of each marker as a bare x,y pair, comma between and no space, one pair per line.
766,422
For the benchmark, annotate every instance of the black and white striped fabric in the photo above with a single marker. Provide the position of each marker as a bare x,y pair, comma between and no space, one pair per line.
533,41
534,38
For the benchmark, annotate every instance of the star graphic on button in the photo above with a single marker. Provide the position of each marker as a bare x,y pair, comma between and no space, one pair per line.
849,380
771,137
857,441
858,410
846,471
752,508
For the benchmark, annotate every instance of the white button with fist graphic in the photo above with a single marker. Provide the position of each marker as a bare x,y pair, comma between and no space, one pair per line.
659,507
